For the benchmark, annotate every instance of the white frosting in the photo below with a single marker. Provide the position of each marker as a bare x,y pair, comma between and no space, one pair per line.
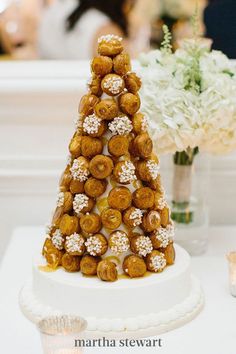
144,325
157,288
126,305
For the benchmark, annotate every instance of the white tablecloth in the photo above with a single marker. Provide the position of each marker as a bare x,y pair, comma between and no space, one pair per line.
212,332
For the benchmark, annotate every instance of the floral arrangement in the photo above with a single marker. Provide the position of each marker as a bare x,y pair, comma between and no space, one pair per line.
189,97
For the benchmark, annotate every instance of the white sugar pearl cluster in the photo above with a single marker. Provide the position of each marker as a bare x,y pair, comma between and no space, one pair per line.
144,245
136,216
93,245
79,171
153,168
74,243
171,230
113,84
165,235
121,125
127,173
60,199
162,203
80,201
109,38
58,240
119,242
91,124
158,262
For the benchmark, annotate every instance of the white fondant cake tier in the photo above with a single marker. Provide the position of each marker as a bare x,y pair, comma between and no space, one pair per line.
149,305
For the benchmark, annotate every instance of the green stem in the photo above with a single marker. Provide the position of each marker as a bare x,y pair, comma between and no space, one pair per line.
186,157
180,211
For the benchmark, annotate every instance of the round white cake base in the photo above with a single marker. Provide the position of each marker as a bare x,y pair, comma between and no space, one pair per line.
142,326
128,308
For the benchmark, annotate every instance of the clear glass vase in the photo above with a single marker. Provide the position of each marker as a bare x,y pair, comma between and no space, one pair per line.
187,193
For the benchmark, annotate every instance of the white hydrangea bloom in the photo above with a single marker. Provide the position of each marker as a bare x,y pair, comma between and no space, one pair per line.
181,115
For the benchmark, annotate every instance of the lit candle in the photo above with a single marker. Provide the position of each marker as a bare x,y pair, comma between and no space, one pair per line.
58,334
232,272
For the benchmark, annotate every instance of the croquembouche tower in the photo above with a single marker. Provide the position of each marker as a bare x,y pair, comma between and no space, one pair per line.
111,208
109,253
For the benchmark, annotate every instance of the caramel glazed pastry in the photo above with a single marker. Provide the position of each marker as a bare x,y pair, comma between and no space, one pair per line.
111,215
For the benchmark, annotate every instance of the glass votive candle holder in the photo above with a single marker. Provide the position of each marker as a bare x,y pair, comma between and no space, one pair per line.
59,334
232,272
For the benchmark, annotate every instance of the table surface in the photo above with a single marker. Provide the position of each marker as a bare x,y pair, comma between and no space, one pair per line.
212,332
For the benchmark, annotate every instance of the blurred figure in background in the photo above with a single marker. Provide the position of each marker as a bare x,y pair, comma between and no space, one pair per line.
141,18
220,22
70,28
177,15
18,27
